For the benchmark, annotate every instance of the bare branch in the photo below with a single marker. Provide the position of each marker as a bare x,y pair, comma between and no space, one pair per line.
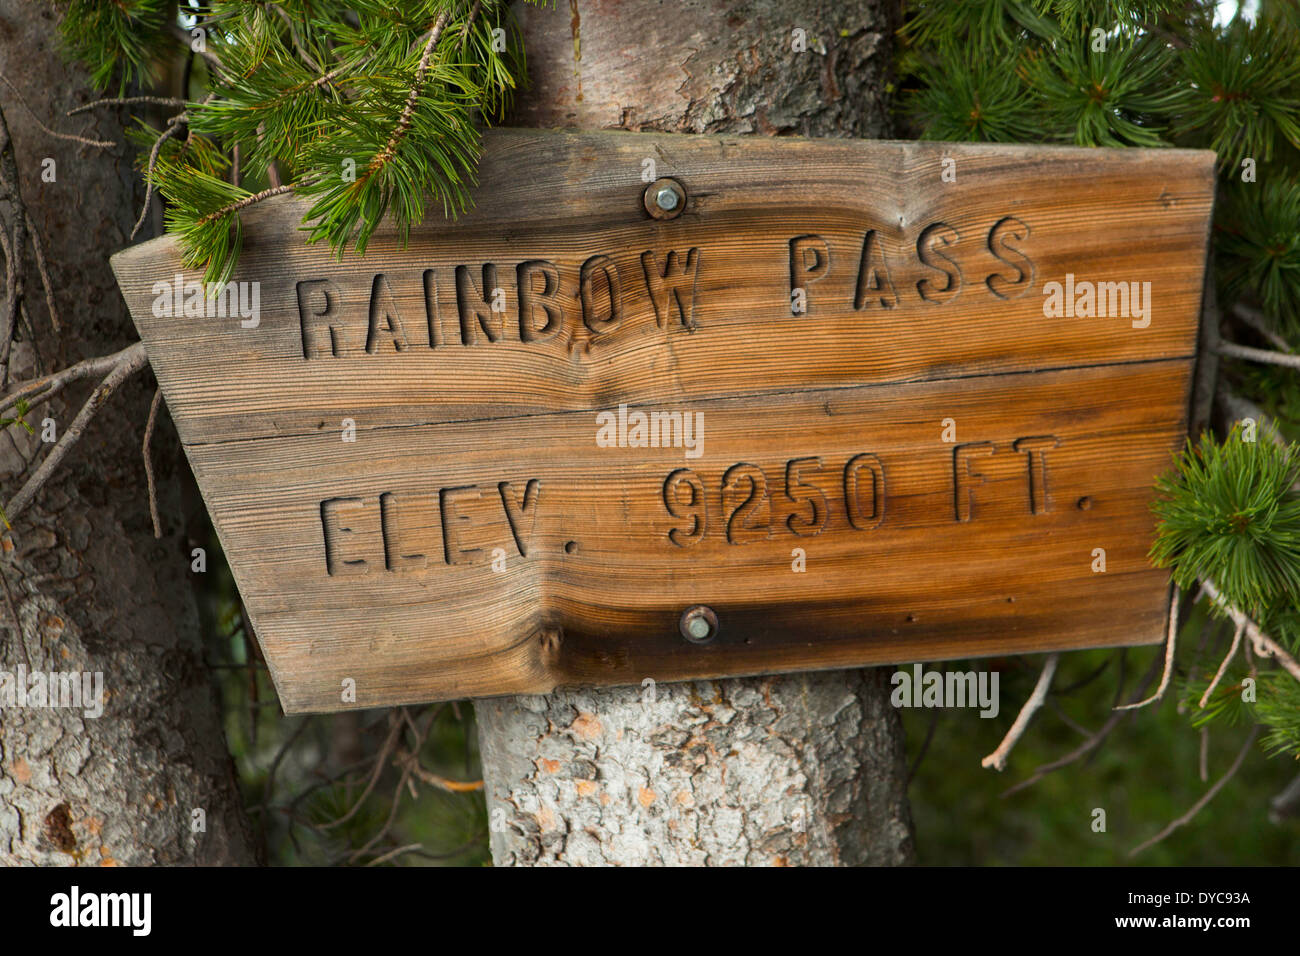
1238,409
173,127
388,824
1066,719
374,778
43,389
127,101
132,362
148,464
209,57
1200,804
1264,645
275,766
97,143
925,746
1170,643
39,249
409,761
1257,321
1089,745
392,854
998,759
1267,356
1285,804
1223,665
11,189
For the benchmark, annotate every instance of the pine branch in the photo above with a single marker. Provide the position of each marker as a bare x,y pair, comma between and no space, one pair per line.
404,121
244,203
1227,512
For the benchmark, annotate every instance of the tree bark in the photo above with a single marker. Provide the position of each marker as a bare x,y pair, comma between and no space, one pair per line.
804,769
85,586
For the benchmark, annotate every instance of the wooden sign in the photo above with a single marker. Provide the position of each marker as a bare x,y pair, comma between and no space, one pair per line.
678,407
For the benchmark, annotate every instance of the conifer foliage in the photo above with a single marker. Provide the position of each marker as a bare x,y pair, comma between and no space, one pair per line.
366,107
1114,73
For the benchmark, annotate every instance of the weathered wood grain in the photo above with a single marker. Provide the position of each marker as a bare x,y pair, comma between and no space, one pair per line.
565,198
374,559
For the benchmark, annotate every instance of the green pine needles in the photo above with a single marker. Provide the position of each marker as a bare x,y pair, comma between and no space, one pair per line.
1257,241
368,108
1229,513
1243,91
120,42
1112,73
1104,91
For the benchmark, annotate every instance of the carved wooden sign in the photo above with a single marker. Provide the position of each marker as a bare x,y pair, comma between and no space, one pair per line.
792,405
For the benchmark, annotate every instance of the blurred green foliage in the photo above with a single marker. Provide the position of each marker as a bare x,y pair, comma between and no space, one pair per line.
1144,775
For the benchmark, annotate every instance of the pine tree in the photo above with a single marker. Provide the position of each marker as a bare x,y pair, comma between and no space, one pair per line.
370,109
1110,73
367,108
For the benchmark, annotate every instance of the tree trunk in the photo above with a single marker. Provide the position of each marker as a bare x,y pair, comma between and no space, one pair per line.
86,587
804,769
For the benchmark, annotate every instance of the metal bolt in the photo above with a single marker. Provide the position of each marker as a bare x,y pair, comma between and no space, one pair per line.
698,624
664,198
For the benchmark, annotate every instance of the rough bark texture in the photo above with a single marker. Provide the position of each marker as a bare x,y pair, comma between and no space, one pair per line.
797,769
800,769
86,587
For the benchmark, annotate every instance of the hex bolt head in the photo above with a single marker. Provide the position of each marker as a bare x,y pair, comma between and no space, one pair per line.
664,198
698,624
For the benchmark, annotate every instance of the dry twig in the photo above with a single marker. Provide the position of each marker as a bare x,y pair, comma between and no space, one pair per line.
998,759
1089,745
1264,645
148,464
43,389
127,101
97,143
132,360
1200,804
1223,665
1170,646
1256,320
1267,356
